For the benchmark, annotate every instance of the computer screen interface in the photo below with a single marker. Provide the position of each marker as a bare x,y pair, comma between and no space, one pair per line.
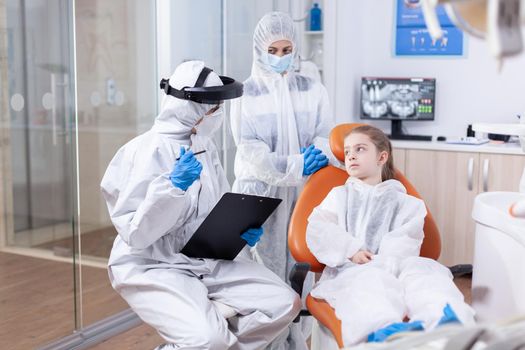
398,98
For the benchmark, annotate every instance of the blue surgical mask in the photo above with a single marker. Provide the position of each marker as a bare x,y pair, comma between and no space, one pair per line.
279,64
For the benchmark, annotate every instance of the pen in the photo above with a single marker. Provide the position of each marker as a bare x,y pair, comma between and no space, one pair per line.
195,153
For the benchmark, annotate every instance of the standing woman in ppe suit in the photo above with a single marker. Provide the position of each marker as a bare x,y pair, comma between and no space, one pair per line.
280,126
157,201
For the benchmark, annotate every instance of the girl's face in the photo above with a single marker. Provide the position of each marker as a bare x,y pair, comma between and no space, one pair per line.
280,48
362,159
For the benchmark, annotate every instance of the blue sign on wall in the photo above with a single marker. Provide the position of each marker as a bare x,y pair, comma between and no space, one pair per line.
412,38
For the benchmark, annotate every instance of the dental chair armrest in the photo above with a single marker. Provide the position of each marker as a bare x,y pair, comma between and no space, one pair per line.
461,270
297,277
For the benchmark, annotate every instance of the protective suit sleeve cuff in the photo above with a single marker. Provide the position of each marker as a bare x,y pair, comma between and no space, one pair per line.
177,192
354,245
295,166
174,190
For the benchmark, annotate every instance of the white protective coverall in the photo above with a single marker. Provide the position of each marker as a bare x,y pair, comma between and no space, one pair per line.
154,219
309,69
386,221
276,116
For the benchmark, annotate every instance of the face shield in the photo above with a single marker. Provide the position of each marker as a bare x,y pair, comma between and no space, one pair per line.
213,95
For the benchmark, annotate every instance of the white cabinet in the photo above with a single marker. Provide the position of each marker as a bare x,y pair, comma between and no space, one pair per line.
500,172
449,181
448,185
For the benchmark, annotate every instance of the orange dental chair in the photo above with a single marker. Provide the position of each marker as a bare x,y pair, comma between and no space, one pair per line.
315,190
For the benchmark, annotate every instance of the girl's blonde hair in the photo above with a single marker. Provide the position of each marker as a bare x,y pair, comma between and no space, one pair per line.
382,143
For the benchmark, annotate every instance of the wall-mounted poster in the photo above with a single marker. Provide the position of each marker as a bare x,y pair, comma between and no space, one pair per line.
412,37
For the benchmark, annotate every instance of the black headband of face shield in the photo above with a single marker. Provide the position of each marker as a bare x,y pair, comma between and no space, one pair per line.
210,95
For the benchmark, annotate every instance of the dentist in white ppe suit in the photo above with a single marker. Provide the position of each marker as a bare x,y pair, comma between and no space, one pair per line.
281,127
280,114
156,203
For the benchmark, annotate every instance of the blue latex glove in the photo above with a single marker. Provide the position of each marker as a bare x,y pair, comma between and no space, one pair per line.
314,159
382,334
449,316
252,235
186,170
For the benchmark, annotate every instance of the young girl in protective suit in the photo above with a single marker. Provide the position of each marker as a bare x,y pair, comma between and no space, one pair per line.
368,233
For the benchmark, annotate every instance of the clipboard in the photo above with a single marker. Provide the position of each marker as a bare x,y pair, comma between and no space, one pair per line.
219,235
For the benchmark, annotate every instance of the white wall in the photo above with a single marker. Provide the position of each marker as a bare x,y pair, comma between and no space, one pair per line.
469,89
241,17
188,30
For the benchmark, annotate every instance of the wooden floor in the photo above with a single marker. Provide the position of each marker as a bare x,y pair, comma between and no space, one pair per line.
139,338
37,304
145,337
37,300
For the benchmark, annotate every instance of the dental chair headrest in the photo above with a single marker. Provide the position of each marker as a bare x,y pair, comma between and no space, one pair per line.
337,139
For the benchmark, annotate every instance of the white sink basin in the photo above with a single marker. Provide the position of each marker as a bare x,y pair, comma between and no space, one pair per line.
498,286
492,209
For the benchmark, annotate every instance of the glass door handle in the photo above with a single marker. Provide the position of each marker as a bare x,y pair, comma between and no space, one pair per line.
67,108
54,108
64,85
